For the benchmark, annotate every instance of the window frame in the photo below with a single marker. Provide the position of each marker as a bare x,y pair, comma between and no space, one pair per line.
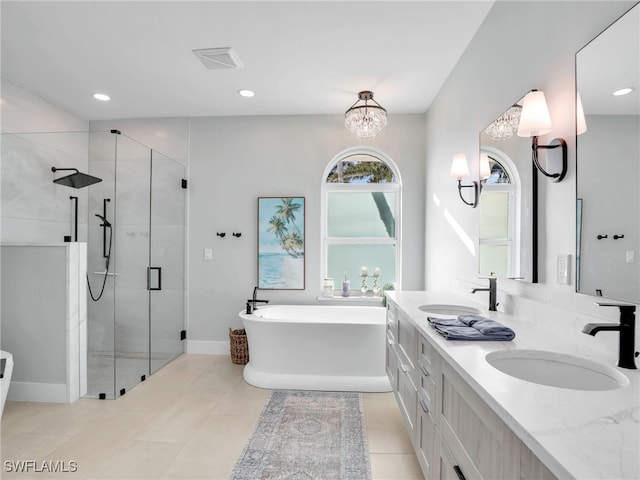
328,187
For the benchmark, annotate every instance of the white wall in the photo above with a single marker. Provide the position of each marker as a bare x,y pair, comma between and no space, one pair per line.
520,46
609,173
234,160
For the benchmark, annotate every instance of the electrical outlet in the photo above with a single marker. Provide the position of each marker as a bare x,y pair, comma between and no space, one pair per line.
562,269
631,257
208,254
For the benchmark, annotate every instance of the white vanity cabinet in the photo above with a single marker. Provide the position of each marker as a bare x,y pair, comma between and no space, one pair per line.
427,438
454,432
401,362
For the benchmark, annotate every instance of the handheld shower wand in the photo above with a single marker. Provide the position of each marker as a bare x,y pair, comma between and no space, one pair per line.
107,224
104,220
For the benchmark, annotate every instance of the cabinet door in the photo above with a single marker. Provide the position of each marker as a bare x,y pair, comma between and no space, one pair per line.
407,399
447,468
392,363
425,438
472,431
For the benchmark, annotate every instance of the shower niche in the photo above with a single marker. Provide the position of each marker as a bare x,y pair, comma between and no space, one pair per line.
135,263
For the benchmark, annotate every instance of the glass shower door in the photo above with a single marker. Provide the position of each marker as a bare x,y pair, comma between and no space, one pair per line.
101,301
167,260
131,258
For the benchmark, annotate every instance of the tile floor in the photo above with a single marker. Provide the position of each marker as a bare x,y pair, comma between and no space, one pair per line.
189,421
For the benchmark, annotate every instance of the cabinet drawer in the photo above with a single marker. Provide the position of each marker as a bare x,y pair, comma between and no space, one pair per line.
407,338
427,384
426,354
428,368
392,324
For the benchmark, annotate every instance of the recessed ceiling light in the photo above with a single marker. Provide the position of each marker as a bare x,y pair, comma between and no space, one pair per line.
246,93
623,91
103,97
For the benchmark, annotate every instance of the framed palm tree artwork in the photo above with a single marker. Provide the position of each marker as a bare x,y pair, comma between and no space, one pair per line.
281,243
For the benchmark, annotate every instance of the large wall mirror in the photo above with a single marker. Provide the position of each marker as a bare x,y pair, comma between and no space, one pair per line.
608,162
508,219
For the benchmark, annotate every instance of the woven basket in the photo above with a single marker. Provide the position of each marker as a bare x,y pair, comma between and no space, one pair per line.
238,346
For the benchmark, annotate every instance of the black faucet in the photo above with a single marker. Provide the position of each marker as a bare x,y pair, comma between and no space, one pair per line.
493,284
251,304
627,328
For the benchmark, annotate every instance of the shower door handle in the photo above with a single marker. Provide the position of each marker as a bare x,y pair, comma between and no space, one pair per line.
159,283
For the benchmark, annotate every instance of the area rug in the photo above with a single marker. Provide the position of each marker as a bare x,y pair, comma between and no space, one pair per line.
303,435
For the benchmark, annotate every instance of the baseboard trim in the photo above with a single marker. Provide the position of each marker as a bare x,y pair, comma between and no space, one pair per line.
208,347
39,392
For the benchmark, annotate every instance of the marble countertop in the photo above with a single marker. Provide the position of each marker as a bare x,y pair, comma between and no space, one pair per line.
575,433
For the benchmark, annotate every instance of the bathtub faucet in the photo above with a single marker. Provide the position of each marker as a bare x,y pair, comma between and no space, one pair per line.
251,304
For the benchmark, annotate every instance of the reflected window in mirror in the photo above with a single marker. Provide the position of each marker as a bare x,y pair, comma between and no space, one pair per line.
509,186
499,215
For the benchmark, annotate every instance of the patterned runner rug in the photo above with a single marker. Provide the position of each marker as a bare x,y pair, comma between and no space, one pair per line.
303,435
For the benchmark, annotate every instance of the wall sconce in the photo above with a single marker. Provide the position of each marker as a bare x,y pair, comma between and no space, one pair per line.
460,169
535,121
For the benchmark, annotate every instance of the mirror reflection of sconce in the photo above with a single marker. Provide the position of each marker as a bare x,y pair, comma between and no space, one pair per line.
460,169
581,123
535,121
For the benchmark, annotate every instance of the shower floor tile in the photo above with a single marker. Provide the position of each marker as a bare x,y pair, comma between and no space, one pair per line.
130,367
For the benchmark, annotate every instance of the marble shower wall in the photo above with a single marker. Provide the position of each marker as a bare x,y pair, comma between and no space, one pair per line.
34,209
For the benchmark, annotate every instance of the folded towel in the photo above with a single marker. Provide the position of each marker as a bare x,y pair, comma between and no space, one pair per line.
471,327
491,327
446,322
469,320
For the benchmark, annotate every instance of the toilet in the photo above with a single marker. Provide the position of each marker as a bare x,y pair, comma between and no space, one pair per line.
6,368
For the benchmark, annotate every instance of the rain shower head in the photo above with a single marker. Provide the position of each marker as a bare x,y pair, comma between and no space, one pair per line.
75,180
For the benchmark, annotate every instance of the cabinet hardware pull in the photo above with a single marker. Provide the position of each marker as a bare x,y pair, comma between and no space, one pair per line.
424,406
459,473
424,371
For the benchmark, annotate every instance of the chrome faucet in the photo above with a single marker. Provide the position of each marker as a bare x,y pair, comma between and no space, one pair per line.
627,328
251,304
493,287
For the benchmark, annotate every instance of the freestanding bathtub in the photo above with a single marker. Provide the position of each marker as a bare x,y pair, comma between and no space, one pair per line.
316,347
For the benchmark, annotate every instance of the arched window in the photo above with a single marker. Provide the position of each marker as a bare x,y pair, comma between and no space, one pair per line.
499,238
361,200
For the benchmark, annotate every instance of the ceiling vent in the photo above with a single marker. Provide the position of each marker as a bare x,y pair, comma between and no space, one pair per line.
218,58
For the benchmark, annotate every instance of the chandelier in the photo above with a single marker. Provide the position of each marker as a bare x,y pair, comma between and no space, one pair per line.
505,125
365,119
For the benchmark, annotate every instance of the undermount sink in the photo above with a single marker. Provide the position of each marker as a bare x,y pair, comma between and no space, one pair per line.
557,370
446,309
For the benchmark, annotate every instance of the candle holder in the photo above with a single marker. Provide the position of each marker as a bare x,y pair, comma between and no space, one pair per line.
376,287
364,287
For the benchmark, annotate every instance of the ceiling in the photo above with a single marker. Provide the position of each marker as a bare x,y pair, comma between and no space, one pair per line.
300,57
608,63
